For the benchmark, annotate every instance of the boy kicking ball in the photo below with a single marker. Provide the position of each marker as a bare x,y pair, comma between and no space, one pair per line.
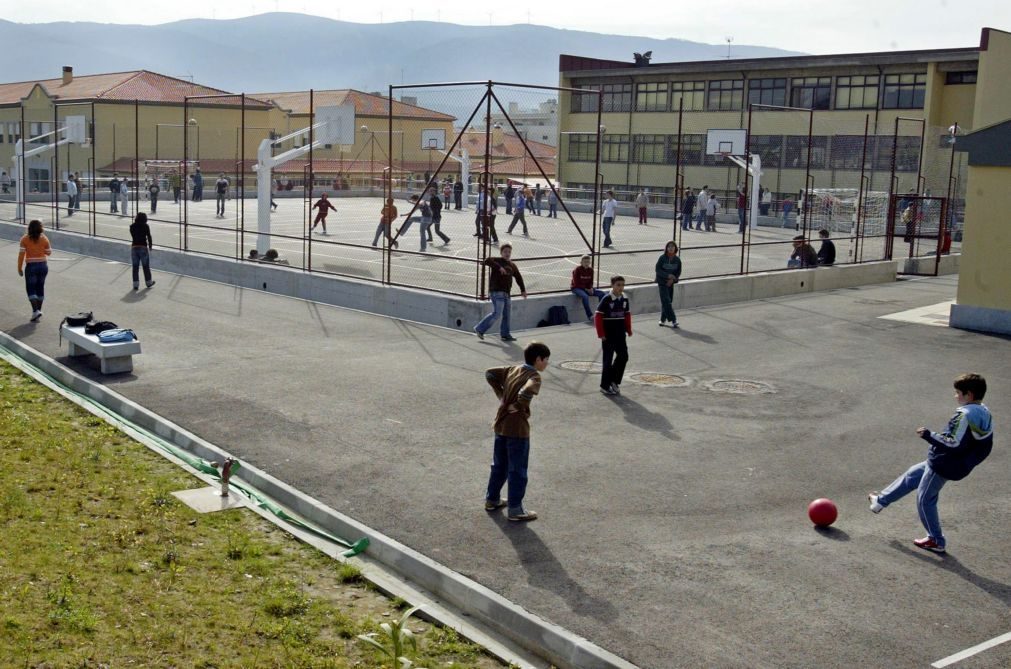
953,455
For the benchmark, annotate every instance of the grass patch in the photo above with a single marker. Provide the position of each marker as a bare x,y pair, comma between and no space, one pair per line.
101,566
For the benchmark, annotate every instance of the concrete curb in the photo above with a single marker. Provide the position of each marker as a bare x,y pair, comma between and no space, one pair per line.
483,614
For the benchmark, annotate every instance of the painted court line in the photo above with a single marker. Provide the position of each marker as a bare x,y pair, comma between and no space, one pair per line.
969,652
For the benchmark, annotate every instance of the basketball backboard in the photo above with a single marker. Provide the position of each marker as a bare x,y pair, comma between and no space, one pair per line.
77,129
338,124
433,138
726,141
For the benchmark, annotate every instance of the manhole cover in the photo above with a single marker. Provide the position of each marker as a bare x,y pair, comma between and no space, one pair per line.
662,380
740,387
581,365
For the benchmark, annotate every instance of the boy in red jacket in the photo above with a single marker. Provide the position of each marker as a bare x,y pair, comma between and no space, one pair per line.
613,321
582,285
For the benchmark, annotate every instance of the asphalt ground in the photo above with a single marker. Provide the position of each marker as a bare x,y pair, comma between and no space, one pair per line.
546,258
673,525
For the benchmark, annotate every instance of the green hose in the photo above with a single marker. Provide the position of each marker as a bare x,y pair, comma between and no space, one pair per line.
259,499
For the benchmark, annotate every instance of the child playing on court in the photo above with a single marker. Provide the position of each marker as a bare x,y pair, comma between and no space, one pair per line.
515,388
613,320
952,456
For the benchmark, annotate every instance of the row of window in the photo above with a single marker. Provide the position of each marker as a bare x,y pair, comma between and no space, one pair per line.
841,152
892,91
10,132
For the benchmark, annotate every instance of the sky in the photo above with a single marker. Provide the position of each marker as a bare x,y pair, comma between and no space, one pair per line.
816,26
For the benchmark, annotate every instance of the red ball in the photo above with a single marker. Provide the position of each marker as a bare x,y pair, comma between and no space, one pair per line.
822,512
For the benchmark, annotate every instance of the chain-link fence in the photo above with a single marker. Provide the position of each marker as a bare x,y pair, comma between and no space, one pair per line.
419,185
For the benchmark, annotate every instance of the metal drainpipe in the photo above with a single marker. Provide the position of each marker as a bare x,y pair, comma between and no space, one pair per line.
631,110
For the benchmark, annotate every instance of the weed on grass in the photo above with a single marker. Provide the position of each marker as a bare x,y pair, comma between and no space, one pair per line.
101,566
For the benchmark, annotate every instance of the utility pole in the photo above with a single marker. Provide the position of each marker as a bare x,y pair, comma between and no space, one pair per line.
729,39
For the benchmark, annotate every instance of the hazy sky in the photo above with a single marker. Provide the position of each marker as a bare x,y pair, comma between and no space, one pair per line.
816,26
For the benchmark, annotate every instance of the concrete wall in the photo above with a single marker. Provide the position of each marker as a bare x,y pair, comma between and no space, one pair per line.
949,264
457,312
984,297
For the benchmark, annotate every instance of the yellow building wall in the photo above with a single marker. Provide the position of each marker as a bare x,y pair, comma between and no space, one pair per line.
993,87
984,278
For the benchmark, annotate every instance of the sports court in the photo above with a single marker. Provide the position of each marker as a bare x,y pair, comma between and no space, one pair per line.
673,526
546,257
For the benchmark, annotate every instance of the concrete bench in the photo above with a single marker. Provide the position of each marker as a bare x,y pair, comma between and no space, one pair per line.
115,358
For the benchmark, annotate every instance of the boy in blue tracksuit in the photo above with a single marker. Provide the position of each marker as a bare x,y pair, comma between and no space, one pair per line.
953,455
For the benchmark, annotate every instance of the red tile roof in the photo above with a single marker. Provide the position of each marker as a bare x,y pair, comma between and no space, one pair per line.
366,104
124,86
507,146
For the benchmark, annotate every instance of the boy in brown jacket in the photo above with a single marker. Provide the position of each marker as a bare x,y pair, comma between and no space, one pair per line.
515,388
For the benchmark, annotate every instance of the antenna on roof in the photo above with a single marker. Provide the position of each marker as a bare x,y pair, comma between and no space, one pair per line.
728,39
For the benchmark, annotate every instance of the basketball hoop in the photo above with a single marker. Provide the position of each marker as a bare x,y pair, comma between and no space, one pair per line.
723,155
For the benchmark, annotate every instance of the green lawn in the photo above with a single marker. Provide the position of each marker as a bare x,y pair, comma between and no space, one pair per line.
100,566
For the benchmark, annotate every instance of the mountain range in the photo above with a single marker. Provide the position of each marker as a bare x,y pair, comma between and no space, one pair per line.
286,52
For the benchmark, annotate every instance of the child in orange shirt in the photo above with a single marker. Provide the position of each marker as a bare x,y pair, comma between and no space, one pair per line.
33,266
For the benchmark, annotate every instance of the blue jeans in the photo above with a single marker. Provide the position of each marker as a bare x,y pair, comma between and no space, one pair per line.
740,219
426,223
584,295
500,303
608,222
927,483
552,210
700,218
509,463
35,280
139,255
787,208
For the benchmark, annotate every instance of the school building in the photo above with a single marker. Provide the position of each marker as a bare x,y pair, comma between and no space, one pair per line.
656,115
141,121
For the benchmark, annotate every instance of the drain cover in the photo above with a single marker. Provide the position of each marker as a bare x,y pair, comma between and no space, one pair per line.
662,380
740,387
581,365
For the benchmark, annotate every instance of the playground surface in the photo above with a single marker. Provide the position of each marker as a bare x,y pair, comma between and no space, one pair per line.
546,258
673,525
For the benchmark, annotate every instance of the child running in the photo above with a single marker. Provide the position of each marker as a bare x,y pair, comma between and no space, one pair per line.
324,206
952,456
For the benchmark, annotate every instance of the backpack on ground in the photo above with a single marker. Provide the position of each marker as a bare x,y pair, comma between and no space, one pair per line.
558,315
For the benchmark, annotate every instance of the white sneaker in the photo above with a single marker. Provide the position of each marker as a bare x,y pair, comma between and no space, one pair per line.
873,499
616,388
36,315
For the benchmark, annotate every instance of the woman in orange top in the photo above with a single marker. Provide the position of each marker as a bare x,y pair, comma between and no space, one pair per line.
32,265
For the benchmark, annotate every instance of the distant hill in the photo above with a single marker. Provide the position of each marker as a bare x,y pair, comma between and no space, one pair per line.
282,51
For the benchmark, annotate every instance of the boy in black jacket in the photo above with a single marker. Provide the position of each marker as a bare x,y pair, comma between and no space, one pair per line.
613,320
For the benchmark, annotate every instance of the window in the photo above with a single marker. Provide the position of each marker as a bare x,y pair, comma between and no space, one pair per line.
617,97
691,149
906,149
692,92
614,149
811,92
585,102
649,149
769,147
904,91
796,152
858,92
960,77
848,151
583,148
767,92
38,129
651,97
726,95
